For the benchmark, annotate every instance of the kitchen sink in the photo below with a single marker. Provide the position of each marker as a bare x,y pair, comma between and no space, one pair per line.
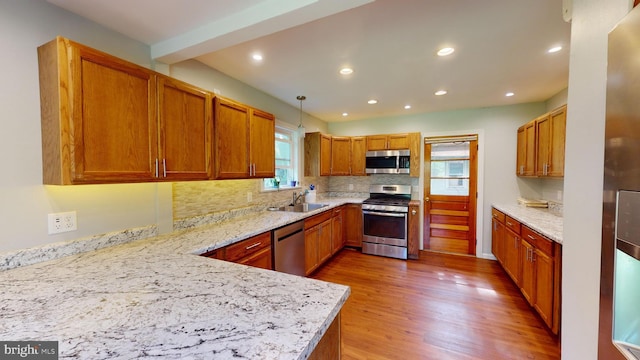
302,207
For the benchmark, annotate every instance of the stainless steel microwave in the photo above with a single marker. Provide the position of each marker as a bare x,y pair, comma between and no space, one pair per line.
387,162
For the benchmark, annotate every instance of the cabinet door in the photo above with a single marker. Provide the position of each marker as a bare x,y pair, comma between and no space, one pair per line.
325,155
114,132
231,144
358,155
261,259
376,142
337,238
544,286
498,240
398,142
324,242
557,142
530,149
413,233
512,255
311,236
543,145
262,144
353,225
521,157
340,155
527,283
184,114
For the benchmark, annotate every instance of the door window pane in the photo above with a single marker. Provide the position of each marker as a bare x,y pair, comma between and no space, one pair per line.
450,168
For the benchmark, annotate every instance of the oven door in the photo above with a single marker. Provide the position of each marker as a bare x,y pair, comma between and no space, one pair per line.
388,228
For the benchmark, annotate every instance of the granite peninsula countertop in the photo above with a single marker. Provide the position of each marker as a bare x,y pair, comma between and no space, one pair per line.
540,220
156,298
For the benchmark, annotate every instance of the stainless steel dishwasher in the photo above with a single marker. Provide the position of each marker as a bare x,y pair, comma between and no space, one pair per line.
289,248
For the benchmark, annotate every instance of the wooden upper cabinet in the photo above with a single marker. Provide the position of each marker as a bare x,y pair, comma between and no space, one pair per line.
231,139
99,120
388,142
541,144
358,155
551,131
244,141
340,155
317,154
186,130
526,150
262,152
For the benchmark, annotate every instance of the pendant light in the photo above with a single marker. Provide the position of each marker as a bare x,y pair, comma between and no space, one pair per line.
301,129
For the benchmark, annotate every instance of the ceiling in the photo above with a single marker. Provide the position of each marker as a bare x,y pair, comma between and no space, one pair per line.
500,46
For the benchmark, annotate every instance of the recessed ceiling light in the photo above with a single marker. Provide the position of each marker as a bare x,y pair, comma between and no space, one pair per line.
407,107
509,94
346,71
554,49
441,92
446,51
256,57
345,114
372,101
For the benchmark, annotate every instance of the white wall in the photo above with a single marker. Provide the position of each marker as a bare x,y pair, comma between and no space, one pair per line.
592,21
499,126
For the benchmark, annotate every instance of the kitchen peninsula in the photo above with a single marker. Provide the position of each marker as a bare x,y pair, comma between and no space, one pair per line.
156,298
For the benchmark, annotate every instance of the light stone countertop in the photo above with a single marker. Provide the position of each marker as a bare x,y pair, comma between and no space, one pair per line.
540,220
155,298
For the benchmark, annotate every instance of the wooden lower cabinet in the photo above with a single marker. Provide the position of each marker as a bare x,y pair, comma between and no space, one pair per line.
413,230
329,346
255,251
534,264
353,225
317,240
337,230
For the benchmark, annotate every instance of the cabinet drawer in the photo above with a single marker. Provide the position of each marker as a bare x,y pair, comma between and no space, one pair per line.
337,211
248,247
540,242
317,219
512,224
497,214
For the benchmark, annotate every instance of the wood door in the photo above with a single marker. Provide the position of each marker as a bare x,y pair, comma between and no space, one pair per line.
186,131
262,144
528,274
353,225
543,144
557,142
337,230
324,241
544,286
231,140
376,142
450,194
530,149
114,132
340,155
398,142
311,236
497,239
358,155
325,155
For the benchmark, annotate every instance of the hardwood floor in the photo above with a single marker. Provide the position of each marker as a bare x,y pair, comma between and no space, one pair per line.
438,307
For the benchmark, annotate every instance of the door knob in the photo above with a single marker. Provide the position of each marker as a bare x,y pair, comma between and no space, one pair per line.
426,198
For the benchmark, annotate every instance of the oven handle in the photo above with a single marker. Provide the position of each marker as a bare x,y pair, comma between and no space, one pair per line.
384,213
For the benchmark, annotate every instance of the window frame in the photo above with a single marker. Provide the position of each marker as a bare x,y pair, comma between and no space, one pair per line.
296,163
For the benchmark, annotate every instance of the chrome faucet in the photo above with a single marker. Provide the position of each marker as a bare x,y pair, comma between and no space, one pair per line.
297,197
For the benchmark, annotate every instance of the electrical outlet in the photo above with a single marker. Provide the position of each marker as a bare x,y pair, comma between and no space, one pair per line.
62,222
249,196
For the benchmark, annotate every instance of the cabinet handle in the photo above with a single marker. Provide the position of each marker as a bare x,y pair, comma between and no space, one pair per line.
252,246
530,237
509,223
156,167
164,167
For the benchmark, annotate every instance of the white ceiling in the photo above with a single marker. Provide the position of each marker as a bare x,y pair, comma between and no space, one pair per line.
391,44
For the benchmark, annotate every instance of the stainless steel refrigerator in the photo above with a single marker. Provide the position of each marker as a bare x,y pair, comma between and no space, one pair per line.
619,329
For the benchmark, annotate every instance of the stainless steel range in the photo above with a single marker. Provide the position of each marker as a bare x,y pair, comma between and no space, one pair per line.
385,220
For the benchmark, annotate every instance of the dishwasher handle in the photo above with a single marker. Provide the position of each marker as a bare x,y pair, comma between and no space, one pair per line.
289,235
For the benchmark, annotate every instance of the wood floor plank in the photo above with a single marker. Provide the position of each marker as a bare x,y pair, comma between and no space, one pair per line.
438,307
